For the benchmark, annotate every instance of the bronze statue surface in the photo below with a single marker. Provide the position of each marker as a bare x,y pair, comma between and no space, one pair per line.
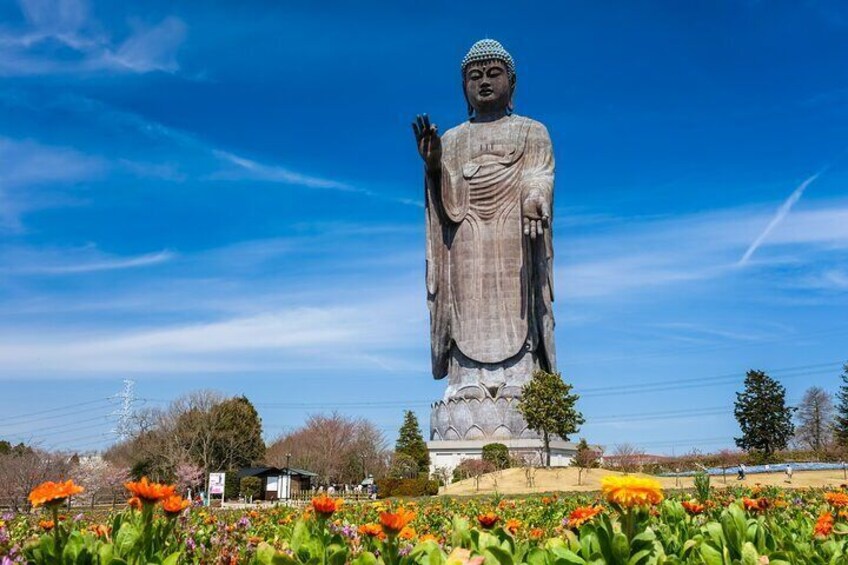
489,196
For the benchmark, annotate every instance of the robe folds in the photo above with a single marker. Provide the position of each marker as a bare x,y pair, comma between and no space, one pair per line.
489,286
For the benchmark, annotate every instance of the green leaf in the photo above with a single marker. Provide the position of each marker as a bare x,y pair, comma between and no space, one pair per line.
500,556
711,555
299,535
537,556
620,548
338,557
172,559
365,558
126,539
640,557
749,554
567,557
264,554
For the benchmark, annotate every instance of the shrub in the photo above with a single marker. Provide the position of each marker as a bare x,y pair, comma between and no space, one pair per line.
497,454
250,487
389,487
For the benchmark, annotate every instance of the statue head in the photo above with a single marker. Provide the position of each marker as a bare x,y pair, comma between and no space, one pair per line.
488,77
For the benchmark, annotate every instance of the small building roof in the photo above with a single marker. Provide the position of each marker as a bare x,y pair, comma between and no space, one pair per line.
270,471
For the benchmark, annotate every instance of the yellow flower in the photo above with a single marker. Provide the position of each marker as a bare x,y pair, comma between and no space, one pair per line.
627,491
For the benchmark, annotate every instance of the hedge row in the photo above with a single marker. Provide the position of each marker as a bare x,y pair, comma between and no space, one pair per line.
406,487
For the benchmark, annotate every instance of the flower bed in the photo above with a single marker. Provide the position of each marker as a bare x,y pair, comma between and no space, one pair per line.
630,521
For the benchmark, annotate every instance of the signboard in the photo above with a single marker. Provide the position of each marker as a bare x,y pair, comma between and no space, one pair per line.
216,483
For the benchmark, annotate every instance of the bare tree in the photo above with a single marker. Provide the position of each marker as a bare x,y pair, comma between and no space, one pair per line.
338,448
21,472
815,419
585,459
628,458
727,458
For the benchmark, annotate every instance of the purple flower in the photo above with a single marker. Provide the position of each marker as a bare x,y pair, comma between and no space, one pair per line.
78,517
243,522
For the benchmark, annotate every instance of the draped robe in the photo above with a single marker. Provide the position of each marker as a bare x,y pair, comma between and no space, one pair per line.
489,286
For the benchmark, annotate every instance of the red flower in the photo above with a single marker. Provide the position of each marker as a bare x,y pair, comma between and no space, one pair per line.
488,520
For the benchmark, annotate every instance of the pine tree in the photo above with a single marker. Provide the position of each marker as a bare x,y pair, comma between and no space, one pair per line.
548,408
840,430
411,442
764,418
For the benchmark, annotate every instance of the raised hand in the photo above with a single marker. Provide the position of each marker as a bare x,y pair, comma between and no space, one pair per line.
537,214
428,141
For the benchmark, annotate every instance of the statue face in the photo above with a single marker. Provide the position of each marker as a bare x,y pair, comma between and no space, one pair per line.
487,86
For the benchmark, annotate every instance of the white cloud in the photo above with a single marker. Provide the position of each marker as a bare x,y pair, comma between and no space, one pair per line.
151,48
363,336
632,258
56,29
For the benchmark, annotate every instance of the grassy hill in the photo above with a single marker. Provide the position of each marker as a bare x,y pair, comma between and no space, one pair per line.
564,479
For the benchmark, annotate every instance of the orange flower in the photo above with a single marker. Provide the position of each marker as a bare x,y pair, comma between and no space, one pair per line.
628,491
53,493
513,525
755,504
408,533
134,502
537,533
394,522
100,530
583,514
488,520
325,506
837,499
150,493
692,507
175,504
371,530
428,537
46,525
824,525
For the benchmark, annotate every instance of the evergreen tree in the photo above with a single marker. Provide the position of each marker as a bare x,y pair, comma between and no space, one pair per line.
840,430
411,442
764,418
237,430
548,408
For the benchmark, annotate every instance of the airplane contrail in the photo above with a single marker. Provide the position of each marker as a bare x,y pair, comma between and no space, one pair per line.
782,212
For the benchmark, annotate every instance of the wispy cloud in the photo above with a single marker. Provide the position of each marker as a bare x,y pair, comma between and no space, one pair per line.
62,37
70,261
25,164
779,216
246,169
632,258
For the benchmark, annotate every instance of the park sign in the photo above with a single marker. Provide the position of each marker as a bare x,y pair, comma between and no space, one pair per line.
216,483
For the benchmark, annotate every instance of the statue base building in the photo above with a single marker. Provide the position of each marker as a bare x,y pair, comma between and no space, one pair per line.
446,455
461,427
490,418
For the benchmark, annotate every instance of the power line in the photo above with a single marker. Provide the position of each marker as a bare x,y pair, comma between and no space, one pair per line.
72,408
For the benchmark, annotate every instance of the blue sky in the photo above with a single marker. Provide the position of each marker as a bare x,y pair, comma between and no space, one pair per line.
228,196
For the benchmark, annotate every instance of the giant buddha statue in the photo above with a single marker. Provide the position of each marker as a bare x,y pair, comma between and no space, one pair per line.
489,197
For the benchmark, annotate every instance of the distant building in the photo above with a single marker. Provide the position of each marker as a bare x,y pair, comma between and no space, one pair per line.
445,456
280,484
